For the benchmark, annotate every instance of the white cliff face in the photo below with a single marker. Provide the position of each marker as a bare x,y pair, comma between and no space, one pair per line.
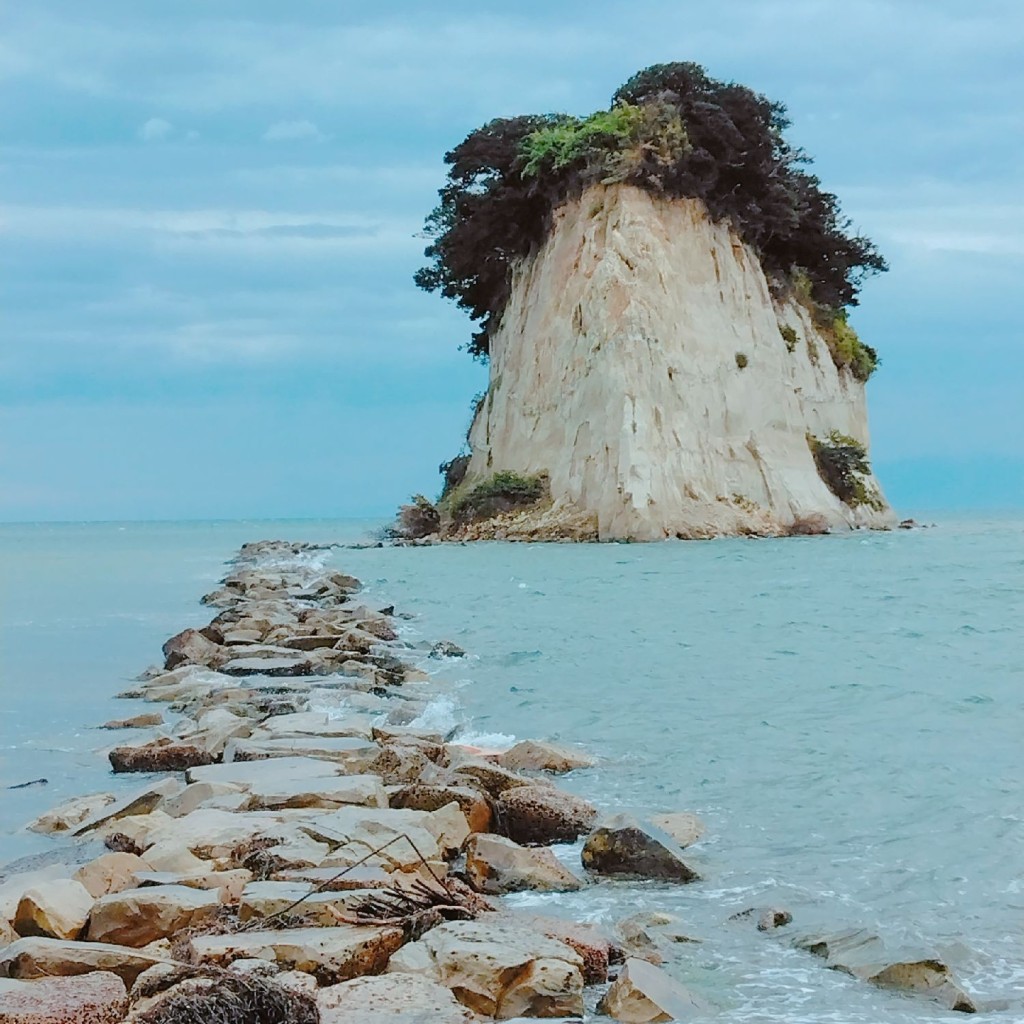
615,372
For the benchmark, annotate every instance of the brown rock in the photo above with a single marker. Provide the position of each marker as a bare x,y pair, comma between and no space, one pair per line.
162,755
643,993
99,998
491,778
543,814
623,846
422,797
190,647
535,756
495,865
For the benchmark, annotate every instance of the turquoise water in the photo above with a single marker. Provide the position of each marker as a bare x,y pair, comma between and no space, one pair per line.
846,714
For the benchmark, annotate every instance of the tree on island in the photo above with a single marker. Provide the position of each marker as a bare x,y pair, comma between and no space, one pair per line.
673,130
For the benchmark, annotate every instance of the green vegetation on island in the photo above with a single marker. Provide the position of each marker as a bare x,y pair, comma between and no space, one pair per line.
672,130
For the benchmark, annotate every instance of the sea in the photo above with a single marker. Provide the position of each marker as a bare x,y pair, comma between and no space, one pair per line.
846,714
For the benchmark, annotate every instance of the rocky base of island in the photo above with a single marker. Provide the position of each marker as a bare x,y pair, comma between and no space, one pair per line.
301,852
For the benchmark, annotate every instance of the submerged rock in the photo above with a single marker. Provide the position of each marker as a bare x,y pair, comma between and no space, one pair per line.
862,955
624,846
643,993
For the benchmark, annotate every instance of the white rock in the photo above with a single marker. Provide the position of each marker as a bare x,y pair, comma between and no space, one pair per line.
136,917
56,909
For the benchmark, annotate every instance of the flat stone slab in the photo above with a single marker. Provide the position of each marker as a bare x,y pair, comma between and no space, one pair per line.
264,899
267,667
352,752
331,955
245,773
99,998
390,999
315,723
28,959
342,790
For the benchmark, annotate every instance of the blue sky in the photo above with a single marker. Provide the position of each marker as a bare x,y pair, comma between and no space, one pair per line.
209,217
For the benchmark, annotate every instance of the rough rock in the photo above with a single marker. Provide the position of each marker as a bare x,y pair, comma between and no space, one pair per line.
863,955
495,865
99,998
535,756
162,755
111,872
136,917
142,801
422,797
46,958
485,775
56,909
542,814
643,993
594,947
390,999
683,827
190,647
331,955
768,918
625,847
227,885
627,320
498,970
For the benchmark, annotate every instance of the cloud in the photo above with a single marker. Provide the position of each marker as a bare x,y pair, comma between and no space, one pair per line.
293,131
156,129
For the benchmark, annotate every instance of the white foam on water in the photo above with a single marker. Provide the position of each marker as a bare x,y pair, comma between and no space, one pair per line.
442,714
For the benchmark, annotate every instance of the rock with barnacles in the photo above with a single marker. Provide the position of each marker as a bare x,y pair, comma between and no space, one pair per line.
543,814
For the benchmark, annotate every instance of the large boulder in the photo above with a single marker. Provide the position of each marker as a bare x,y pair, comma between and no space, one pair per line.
495,865
99,998
331,955
339,791
160,755
479,773
190,647
57,909
535,756
643,993
32,958
137,917
863,955
625,847
543,814
498,970
390,999
142,801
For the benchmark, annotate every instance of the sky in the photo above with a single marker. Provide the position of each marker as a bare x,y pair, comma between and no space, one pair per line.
210,214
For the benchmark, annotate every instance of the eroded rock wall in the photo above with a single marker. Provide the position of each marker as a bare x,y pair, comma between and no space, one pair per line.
616,371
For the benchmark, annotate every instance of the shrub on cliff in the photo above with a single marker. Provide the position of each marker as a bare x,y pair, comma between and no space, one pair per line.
503,492
670,129
842,464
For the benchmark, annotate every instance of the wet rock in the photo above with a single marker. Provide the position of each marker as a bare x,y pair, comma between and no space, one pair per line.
190,647
111,872
477,809
683,827
397,765
768,918
535,756
57,909
71,813
390,999
162,755
32,958
498,970
495,865
487,776
542,814
446,649
136,917
648,935
331,955
144,721
863,955
625,847
644,993
99,998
